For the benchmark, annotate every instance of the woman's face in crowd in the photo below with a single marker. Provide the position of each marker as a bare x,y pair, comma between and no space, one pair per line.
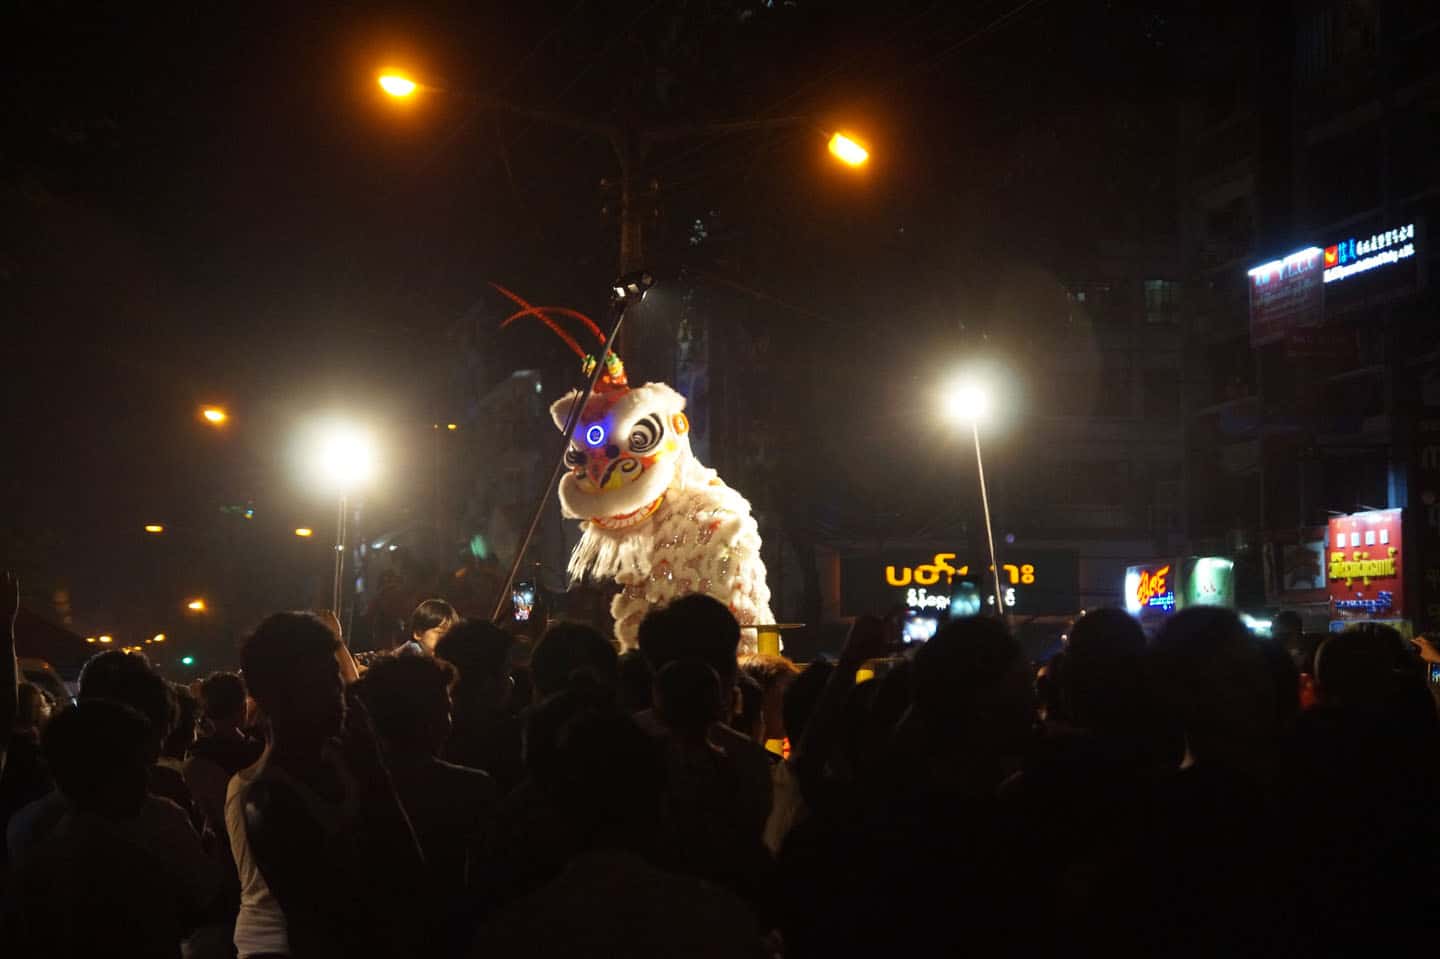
431,636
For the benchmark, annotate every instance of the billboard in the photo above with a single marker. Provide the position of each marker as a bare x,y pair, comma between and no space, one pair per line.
1364,567
1155,590
1287,295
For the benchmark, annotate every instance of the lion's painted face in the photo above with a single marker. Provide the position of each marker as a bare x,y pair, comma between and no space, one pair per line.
625,454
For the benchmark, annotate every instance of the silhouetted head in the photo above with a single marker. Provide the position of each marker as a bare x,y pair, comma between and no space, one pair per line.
33,708
973,689
688,698
694,626
596,765
408,698
430,621
1209,673
1102,681
99,753
1360,667
636,681
222,699
567,648
130,679
290,669
187,713
802,695
480,651
774,674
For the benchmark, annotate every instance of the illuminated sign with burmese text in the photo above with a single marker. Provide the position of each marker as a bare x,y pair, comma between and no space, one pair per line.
1363,565
1037,582
1155,590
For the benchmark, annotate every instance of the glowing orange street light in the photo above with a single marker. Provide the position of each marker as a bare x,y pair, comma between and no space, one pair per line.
157,638
304,531
452,426
397,85
154,528
214,415
107,639
196,605
848,151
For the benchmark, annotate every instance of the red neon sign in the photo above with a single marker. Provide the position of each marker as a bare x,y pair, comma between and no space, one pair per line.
1152,585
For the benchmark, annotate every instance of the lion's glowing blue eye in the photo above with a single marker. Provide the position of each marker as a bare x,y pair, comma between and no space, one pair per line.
595,435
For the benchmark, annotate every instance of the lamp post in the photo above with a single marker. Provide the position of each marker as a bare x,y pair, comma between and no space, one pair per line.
968,400
346,460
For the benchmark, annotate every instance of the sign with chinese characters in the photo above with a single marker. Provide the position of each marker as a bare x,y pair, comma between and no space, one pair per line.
1364,565
1360,255
1036,582
1155,590
1286,295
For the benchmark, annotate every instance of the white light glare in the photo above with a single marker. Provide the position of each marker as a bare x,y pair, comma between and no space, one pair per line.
346,459
967,400
1299,256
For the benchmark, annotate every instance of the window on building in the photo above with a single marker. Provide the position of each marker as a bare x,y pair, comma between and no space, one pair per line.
1162,302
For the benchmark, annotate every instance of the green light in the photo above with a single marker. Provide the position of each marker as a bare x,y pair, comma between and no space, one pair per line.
478,547
187,660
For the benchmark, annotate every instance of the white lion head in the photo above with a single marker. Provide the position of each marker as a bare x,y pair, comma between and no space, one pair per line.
628,449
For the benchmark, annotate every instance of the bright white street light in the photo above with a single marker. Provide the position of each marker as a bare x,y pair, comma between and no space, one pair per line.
346,458
967,401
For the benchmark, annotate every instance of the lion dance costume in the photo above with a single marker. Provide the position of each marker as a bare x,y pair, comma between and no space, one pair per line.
653,517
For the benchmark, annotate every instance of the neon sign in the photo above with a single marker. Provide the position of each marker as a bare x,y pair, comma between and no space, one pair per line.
1155,589
1351,256
928,574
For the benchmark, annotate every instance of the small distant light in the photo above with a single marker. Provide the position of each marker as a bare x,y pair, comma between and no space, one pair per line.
154,528
451,426
197,604
158,638
89,639
187,660
538,387
393,547
214,414
107,639
304,531
250,514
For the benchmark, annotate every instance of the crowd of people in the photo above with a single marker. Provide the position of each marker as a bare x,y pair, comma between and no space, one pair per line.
1200,793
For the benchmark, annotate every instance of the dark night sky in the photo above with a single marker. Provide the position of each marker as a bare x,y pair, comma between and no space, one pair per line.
212,202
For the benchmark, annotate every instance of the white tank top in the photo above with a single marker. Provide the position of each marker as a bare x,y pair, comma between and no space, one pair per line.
260,927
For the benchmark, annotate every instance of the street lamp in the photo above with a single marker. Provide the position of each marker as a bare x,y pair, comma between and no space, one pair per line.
214,415
967,399
848,151
346,461
304,532
154,529
398,85
196,605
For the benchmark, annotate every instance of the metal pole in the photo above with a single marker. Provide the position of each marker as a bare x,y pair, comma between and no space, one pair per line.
571,422
337,590
989,532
